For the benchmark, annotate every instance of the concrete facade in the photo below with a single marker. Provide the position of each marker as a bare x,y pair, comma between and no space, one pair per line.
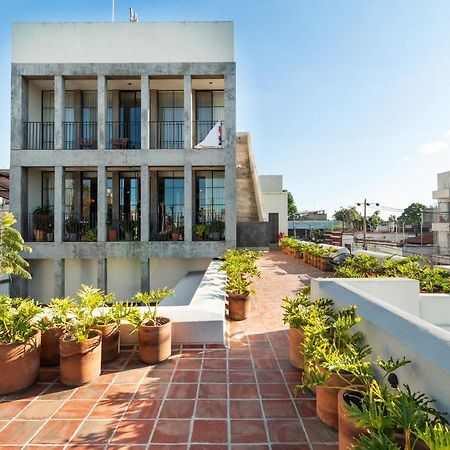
165,58
274,200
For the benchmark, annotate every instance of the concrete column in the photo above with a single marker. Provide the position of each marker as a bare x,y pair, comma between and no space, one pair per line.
188,202
145,274
153,118
102,101
116,200
153,204
145,203
19,111
77,117
18,199
229,126
59,112
230,204
60,277
101,203
187,112
145,111
102,276
59,204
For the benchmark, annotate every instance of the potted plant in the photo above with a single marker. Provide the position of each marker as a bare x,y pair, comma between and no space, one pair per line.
112,232
20,344
200,230
52,323
41,223
90,235
154,332
80,349
176,233
72,226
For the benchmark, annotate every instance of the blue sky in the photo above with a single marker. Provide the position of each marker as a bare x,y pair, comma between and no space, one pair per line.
345,99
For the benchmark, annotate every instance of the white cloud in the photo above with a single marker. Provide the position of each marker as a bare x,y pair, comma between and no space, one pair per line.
435,147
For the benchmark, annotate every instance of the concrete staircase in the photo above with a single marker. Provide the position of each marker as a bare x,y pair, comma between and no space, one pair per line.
249,205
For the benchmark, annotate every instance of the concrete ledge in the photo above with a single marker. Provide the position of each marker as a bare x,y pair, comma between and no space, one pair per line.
197,309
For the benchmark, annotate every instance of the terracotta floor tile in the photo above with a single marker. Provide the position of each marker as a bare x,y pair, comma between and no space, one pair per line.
241,353
19,432
133,432
106,377
119,392
240,364
306,407
177,409
215,364
57,391
186,376
130,376
210,431
290,447
189,364
39,447
213,376
169,447
245,409
212,390
243,391
89,392
56,432
106,409
286,430
171,431
265,364
249,447
248,431
75,409
215,353
143,409
274,409
40,409
273,390
9,410
208,447
269,376
216,409
158,376
29,393
237,376
94,432
48,375
182,391
319,432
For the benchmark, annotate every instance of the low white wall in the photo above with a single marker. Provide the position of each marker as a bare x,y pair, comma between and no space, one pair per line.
392,331
276,202
41,287
78,272
123,277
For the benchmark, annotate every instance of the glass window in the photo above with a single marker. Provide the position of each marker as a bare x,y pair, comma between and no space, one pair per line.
171,194
48,190
69,192
89,194
209,110
170,130
48,106
210,195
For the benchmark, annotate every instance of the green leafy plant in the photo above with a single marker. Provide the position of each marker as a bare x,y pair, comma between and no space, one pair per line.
89,235
17,319
58,313
150,300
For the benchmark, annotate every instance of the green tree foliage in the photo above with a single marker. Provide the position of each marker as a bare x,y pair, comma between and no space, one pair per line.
292,207
350,217
11,245
412,215
374,220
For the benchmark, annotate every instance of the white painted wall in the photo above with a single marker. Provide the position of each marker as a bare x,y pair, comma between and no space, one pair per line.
34,102
123,42
276,202
78,272
169,271
271,183
123,277
41,287
34,189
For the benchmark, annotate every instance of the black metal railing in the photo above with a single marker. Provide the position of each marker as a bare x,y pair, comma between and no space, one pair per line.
80,135
166,135
201,128
38,136
80,227
41,226
209,227
123,135
166,227
123,227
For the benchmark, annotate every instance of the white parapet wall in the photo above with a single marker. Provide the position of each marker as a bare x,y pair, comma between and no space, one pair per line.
398,321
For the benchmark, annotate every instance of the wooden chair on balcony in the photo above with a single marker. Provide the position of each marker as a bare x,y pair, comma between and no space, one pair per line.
88,144
120,143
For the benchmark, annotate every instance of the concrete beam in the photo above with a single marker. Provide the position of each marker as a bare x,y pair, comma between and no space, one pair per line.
59,112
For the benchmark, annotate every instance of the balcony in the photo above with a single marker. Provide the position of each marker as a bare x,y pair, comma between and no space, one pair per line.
167,134
209,227
201,128
123,135
166,227
123,227
80,227
39,136
40,226
441,221
80,135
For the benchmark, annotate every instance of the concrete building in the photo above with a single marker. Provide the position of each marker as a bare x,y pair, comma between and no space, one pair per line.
441,221
105,180
274,201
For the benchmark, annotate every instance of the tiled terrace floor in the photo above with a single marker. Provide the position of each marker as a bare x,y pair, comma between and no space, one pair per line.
202,398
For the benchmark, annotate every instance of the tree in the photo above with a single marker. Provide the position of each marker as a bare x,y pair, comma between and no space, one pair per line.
350,217
412,215
292,208
11,245
374,220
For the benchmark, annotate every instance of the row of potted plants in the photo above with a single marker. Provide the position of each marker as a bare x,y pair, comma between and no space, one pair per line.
415,267
79,335
370,412
240,267
314,254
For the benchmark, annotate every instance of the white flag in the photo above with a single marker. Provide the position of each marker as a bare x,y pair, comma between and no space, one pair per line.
213,139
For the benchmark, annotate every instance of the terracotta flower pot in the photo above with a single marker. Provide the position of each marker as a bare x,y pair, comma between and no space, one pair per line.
110,341
327,398
296,356
80,362
348,431
50,346
238,306
324,264
155,341
19,364
112,235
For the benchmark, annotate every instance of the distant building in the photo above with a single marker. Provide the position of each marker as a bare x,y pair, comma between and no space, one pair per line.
274,201
441,222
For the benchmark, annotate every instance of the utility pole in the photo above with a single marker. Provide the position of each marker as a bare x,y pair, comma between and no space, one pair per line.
365,204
